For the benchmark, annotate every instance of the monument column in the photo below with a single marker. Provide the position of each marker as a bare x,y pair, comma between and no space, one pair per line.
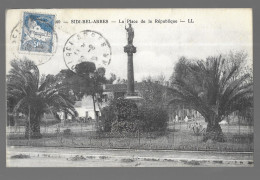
130,49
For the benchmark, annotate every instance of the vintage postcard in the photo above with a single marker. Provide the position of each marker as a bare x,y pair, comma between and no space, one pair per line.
129,88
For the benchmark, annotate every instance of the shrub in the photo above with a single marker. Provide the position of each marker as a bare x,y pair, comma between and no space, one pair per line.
122,115
67,132
108,116
197,129
125,110
153,118
126,126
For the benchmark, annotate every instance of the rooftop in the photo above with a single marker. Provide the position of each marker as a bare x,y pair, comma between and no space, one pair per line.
123,87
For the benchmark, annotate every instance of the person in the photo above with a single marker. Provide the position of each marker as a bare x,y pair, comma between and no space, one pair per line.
130,34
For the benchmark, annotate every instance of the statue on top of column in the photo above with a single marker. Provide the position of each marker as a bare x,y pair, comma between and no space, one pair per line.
130,34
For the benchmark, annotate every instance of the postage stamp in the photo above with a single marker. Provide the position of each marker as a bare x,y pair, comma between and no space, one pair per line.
37,33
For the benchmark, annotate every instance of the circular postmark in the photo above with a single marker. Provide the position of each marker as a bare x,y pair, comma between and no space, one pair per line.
33,38
87,45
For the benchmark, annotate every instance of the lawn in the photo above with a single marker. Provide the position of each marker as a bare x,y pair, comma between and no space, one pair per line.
178,136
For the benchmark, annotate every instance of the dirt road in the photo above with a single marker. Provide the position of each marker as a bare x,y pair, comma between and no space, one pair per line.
82,157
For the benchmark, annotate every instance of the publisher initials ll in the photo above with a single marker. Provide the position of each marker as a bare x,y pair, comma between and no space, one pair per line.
190,21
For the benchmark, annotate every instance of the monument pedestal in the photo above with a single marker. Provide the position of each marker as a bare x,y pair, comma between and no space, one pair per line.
130,49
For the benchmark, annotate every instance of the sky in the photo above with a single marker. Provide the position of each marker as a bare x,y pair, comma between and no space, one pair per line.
159,46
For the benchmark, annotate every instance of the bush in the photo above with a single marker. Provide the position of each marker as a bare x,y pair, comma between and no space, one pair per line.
108,116
126,126
122,115
67,132
153,118
197,129
125,110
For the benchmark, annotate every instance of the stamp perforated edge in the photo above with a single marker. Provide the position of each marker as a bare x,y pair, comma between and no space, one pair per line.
54,35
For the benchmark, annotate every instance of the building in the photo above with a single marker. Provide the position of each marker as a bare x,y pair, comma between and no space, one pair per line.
85,107
143,89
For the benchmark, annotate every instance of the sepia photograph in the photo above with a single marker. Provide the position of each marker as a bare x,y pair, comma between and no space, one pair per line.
129,87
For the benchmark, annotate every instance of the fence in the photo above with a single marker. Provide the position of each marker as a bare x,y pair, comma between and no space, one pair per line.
186,136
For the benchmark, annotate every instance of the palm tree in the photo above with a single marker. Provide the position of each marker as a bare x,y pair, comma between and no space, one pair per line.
33,97
215,88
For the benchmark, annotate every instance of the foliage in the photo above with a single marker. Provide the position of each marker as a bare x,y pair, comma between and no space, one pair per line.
212,89
181,139
197,129
154,94
248,115
67,132
86,81
122,115
108,116
126,126
121,81
67,79
125,109
153,118
33,97
111,79
154,90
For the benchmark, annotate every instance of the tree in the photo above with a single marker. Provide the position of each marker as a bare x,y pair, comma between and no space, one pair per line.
111,79
86,80
153,91
215,88
34,97
121,81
